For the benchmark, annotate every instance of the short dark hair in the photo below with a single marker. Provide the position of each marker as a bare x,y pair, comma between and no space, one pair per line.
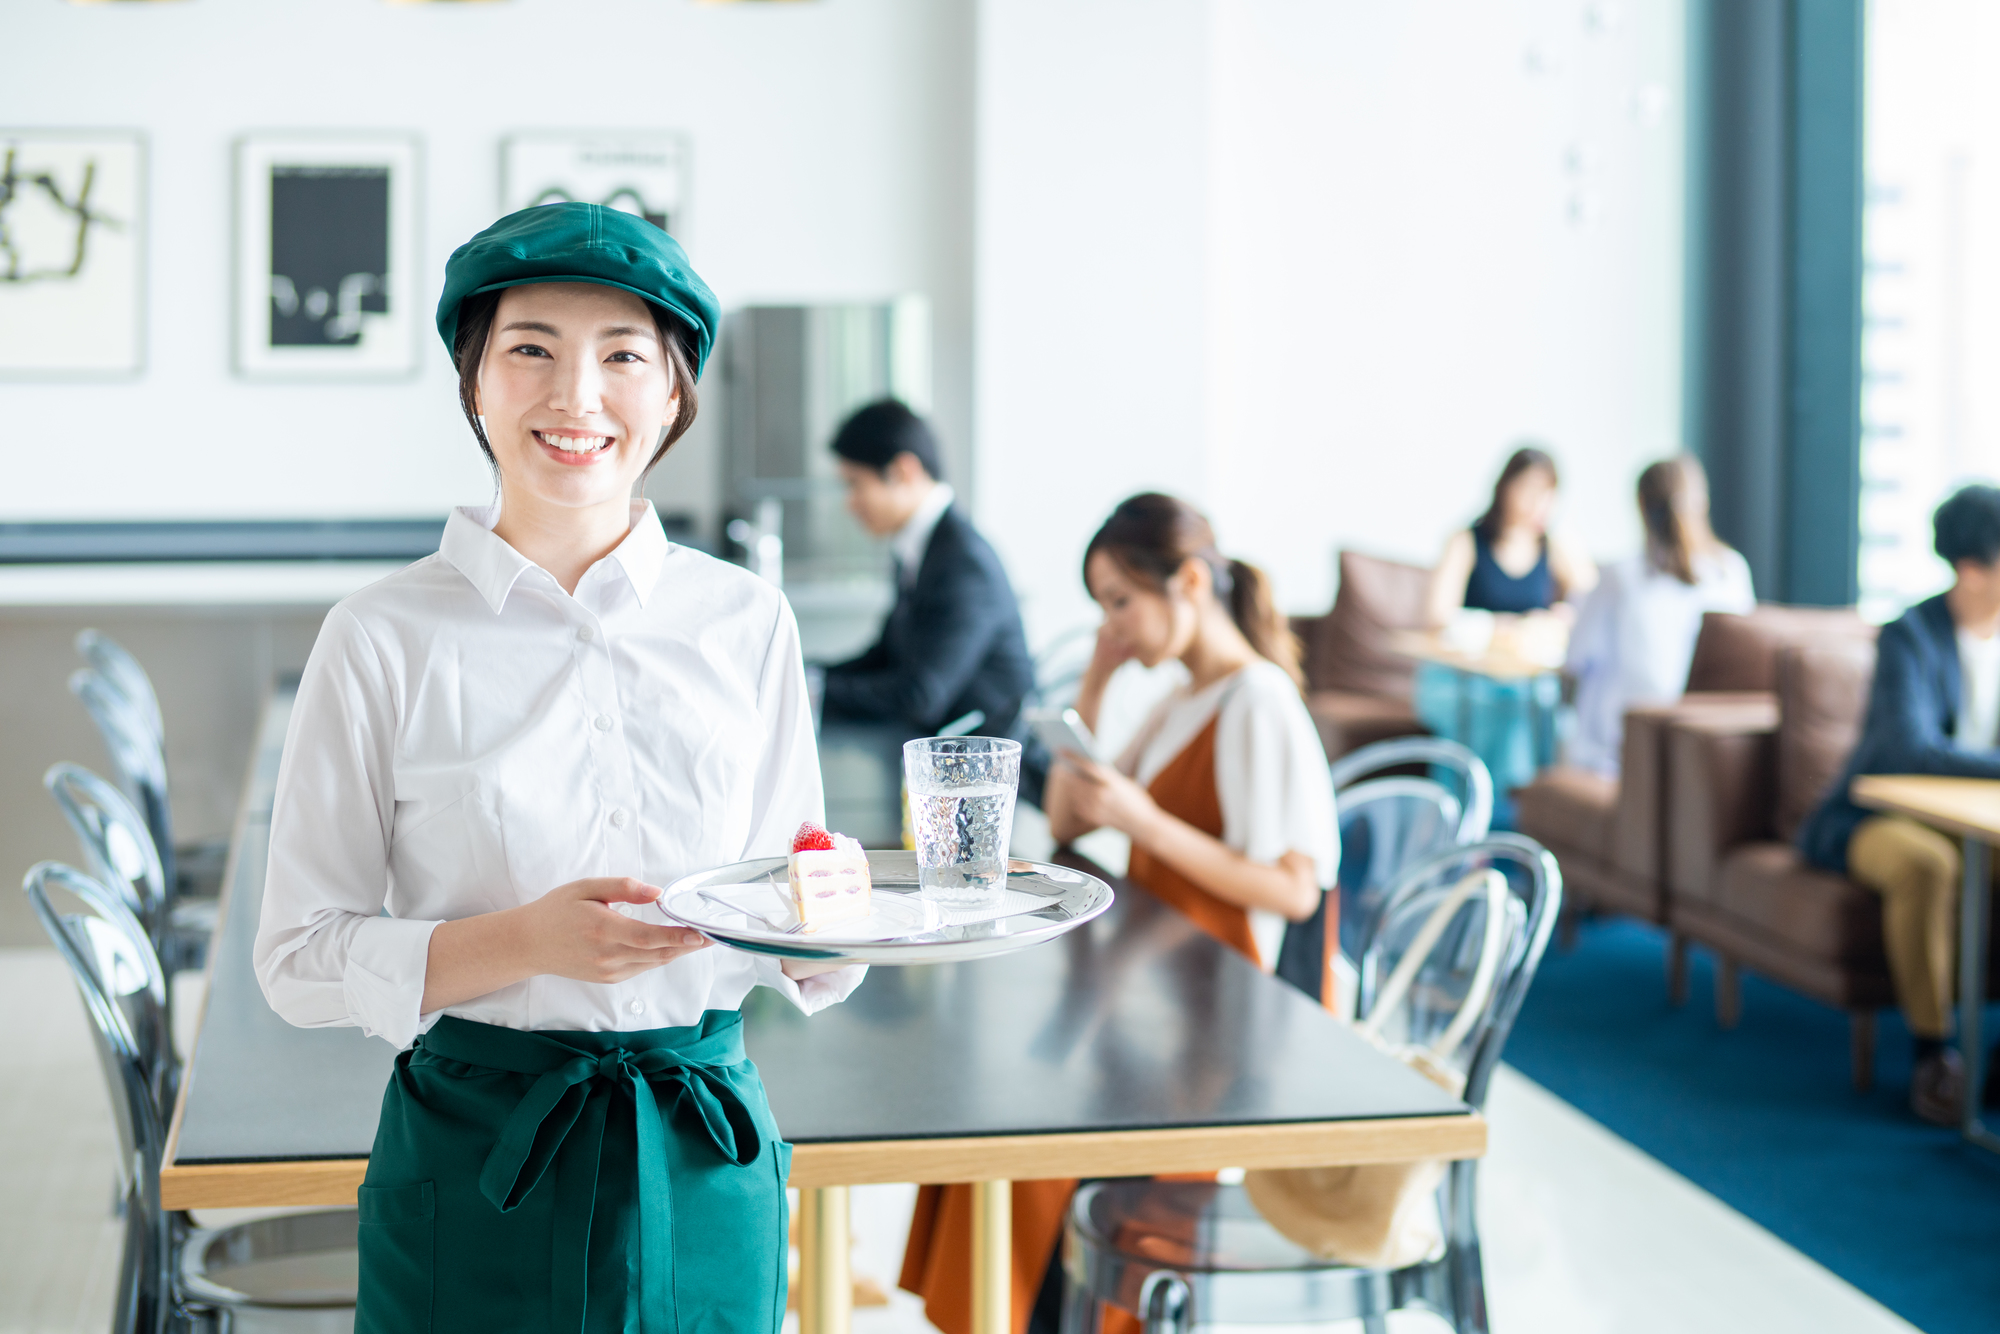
1967,526
876,434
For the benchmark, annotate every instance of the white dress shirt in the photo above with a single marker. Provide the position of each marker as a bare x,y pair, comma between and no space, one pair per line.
1634,641
1978,691
468,736
909,542
1271,777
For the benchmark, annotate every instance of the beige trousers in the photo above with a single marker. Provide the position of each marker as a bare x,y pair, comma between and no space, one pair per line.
1916,870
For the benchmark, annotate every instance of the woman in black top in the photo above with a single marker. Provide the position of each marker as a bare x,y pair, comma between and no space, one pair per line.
1508,561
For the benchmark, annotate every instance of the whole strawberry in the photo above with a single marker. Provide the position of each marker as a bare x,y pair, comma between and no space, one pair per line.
812,838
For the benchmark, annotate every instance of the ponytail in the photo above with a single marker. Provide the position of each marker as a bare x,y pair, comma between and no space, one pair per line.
1152,536
1253,605
1673,504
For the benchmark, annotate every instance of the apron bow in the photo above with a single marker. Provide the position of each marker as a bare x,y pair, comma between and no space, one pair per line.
560,1121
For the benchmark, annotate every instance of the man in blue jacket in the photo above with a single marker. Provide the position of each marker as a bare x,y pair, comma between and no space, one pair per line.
1934,708
953,643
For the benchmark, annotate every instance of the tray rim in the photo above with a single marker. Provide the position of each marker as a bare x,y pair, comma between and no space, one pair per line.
889,952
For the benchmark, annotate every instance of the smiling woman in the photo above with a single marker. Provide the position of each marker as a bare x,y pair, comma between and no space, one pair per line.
497,755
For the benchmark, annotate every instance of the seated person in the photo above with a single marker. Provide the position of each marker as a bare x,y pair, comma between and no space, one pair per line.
1224,793
1634,637
1934,708
953,641
1508,561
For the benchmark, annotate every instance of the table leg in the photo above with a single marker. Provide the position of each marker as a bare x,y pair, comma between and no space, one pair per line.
1972,987
826,1289
992,1257
1464,679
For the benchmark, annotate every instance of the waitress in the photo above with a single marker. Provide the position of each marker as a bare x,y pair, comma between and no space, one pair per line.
497,755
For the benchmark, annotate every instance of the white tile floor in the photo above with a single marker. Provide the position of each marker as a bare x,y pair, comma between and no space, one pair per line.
1584,1234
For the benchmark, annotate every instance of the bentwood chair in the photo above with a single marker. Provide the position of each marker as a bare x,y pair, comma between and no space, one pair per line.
119,851
1183,1254
118,667
1389,821
295,1274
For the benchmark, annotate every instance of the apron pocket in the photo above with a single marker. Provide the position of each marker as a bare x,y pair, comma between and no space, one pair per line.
396,1243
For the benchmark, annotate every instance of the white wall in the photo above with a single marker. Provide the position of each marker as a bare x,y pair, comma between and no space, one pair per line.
831,149
1316,265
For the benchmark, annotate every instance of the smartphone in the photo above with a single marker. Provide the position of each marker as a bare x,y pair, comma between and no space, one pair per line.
1063,730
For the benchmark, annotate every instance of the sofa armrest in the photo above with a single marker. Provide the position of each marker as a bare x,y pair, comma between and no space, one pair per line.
1640,829
1722,786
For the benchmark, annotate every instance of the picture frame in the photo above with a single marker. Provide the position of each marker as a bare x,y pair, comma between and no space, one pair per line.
327,284
72,254
639,172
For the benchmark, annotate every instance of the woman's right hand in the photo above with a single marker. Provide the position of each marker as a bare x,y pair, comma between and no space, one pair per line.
573,931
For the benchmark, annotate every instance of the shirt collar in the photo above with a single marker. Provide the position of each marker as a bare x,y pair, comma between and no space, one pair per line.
909,541
493,567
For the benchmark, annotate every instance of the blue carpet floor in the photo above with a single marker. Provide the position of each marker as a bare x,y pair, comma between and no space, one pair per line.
1765,1119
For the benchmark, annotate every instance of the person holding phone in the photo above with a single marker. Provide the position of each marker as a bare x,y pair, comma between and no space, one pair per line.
1224,793
496,757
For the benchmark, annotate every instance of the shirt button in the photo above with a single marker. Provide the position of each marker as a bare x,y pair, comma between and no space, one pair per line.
617,819
603,723
637,1007
586,634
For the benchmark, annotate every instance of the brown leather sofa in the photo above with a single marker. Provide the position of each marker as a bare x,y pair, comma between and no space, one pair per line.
1609,834
1357,689
1737,883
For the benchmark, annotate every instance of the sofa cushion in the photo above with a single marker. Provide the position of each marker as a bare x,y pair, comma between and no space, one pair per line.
1741,652
1570,809
1822,702
1348,721
1349,650
1769,887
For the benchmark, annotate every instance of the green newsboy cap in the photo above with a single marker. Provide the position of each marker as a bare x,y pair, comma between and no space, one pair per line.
581,243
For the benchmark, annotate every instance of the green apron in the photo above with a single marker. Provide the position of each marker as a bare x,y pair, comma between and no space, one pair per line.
575,1182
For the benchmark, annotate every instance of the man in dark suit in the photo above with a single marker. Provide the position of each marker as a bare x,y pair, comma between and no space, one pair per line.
953,642
1934,708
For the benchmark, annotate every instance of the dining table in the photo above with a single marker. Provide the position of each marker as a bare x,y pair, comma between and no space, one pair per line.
1134,1045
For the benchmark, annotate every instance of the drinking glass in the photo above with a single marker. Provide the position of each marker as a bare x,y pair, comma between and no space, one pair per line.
962,812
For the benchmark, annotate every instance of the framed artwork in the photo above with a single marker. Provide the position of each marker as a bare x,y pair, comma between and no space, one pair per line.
644,174
72,247
326,257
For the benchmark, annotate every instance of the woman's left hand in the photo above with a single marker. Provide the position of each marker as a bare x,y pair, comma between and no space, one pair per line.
1106,797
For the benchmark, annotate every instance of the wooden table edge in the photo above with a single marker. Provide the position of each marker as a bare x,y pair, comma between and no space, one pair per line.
332,1181
1866,791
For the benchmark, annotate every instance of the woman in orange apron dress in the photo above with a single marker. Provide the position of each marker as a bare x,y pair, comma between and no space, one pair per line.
1224,794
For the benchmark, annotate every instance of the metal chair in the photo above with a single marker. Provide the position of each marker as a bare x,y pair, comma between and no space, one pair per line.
119,851
119,668
172,1276
1183,1254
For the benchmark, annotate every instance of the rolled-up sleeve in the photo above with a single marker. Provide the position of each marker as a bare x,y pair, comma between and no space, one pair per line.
325,955
788,792
1271,777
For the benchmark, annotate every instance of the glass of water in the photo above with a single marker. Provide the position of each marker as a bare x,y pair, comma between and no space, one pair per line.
962,812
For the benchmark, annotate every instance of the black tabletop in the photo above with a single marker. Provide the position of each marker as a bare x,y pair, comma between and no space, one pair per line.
1135,1021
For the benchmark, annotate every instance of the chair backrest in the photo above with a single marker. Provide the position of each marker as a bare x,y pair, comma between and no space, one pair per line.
1387,825
123,672
127,969
117,845
1534,896
1445,758
1059,667
138,758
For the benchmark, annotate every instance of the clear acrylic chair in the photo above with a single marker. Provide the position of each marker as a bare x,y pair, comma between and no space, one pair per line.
1389,821
122,671
119,850
290,1273
1186,1254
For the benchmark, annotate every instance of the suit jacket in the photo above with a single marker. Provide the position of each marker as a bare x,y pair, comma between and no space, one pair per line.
1912,712
953,643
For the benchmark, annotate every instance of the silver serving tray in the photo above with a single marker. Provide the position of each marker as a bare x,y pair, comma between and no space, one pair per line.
921,932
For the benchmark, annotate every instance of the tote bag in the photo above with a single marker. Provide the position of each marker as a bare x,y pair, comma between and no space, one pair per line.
1384,1215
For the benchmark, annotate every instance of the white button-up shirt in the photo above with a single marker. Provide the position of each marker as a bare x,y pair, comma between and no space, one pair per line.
909,543
468,736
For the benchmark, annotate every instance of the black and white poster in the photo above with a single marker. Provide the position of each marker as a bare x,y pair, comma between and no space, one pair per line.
641,174
326,282
72,225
